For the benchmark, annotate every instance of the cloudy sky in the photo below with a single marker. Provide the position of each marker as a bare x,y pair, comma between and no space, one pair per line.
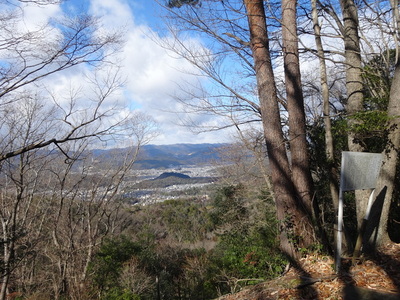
151,72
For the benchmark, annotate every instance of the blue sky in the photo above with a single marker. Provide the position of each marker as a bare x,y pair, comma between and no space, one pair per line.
151,72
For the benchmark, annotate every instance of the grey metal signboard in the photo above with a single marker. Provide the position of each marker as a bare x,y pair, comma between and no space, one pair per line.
359,170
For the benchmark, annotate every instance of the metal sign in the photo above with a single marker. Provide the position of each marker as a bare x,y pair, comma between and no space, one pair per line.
359,170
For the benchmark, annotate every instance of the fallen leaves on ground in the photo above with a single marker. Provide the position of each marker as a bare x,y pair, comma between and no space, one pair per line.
314,278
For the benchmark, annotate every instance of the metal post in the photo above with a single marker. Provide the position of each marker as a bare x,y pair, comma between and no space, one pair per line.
357,248
340,221
339,232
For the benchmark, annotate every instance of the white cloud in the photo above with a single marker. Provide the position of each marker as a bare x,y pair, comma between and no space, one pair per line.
113,13
152,73
35,16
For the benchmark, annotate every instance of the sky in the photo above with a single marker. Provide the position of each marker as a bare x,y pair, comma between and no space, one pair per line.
151,73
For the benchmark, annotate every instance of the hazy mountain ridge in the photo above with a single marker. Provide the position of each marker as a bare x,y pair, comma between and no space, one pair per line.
176,155
166,156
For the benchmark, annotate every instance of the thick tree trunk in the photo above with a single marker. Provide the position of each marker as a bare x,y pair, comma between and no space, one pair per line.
354,87
377,234
296,229
300,161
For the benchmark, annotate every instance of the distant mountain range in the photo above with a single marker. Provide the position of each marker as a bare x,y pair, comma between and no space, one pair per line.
168,156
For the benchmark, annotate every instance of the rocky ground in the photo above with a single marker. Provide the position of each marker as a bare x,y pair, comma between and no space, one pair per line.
375,277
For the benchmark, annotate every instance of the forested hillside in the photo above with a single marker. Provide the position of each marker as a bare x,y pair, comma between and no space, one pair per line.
192,248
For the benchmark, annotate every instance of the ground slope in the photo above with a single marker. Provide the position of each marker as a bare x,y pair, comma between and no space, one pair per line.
375,277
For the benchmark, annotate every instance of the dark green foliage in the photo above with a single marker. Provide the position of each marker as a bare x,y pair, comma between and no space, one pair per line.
188,221
377,76
163,182
166,265
316,138
371,129
370,126
109,260
251,253
322,167
248,245
117,293
172,174
350,220
229,205
372,122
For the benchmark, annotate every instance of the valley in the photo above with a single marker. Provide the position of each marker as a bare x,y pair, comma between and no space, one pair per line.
148,186
165,172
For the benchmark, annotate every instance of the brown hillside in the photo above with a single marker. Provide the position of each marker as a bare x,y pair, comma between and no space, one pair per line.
375,277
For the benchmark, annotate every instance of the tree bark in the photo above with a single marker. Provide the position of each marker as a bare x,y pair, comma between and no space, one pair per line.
377,234
300,161
333,172
354,87
295,227
354,83
329,151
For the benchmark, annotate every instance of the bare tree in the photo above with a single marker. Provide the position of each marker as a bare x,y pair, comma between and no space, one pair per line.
51,197
64,202
31,56
234,100
245,159
88,209
290,212
20,177
333,180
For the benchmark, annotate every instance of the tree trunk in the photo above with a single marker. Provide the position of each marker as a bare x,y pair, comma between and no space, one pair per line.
5,276
333,172
354,87
354,83
396,20
377,234
296,229
300,161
